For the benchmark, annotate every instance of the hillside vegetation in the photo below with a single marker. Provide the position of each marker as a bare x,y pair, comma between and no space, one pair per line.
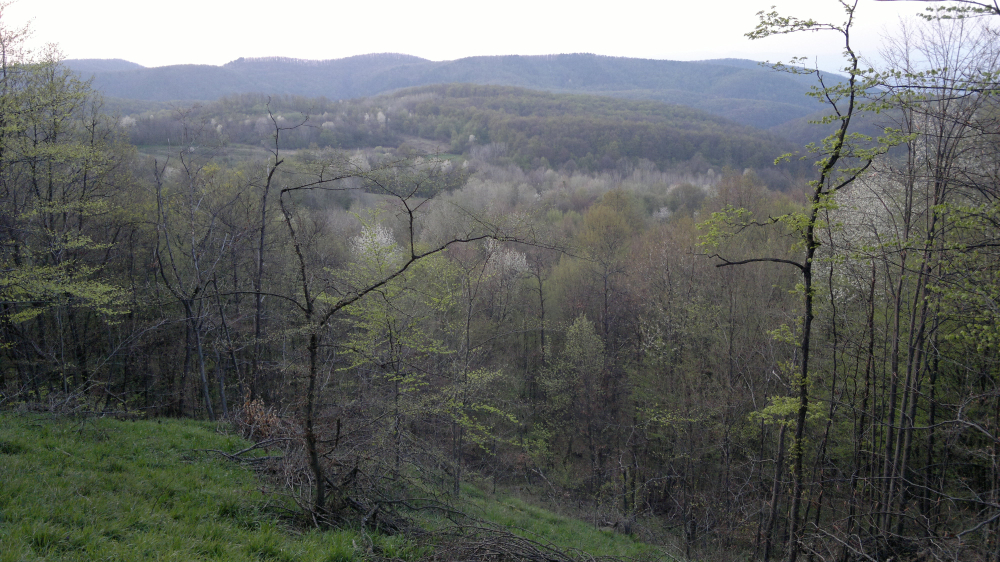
81,488
532,129
738,90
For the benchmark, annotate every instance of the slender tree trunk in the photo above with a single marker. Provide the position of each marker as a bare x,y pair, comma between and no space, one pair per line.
927,507
258,281
775,494
230,348
185,370
798,484
888,469
312,445
199,350
860,481
220,378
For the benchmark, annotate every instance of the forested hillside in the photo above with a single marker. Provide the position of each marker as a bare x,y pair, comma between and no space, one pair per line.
532,129
738,90
611,306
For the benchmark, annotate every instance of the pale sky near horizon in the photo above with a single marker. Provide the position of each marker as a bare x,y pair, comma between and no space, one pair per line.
218,31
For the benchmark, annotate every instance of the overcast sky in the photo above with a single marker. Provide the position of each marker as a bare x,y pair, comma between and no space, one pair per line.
218,31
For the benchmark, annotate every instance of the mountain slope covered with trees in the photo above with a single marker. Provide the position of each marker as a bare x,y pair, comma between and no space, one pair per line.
530,128
738,90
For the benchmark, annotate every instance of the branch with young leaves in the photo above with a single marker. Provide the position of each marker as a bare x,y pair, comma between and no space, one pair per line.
966,8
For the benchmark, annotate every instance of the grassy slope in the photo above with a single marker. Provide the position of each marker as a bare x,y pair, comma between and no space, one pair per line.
110,490
522,518
124,490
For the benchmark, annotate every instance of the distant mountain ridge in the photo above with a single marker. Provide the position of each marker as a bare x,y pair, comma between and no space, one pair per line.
736,89
94,66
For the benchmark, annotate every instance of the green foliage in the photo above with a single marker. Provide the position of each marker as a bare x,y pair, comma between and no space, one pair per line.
718,227
786,335
471,405
584,350
400,334
783,409
970,288
58,163
968,9
572,386
582,355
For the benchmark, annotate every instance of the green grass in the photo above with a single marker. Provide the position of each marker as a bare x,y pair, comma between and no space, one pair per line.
141,490
113,490
538,524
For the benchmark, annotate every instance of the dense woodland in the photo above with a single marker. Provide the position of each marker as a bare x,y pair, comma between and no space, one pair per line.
535,130
640,327
739,90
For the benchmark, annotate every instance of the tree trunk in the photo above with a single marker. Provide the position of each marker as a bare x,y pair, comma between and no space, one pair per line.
775,494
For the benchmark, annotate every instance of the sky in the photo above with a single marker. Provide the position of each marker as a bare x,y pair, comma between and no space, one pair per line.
218,31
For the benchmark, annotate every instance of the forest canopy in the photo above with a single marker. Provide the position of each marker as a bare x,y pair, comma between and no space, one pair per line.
618,306
534,129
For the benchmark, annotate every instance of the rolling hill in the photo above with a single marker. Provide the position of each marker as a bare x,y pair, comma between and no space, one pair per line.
736,89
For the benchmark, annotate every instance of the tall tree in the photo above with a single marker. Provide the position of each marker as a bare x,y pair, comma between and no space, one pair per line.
61,165
842,158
